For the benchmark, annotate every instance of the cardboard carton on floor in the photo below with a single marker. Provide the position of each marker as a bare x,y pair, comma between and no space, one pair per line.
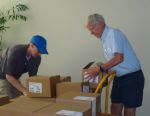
57,109
24,106
42,86
25,98
64,87
73,102
80,96
4,99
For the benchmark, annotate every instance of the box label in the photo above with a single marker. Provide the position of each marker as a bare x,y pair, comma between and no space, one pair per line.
92,99
35,87
69,113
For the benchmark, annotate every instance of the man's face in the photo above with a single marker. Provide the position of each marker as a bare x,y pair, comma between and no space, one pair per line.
96,30
34,51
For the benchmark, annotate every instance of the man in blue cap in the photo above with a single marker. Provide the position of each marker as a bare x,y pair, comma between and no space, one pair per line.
18,60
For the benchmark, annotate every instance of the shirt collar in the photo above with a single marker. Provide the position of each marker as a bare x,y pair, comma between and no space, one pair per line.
105,32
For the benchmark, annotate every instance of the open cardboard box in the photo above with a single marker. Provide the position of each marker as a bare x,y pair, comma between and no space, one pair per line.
64,87
65,79
24,106
74,97
65,109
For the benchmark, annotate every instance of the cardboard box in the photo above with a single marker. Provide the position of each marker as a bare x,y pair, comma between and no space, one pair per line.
64,87
73,102
65,79
58,109
80,96
24,106
4,99
34,99
42,86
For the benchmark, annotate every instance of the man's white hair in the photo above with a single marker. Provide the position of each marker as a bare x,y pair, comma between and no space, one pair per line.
95,19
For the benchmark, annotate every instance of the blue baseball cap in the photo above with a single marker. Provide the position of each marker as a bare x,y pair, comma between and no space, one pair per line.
40,43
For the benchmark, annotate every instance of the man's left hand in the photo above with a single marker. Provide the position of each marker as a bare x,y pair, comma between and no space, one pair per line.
92,71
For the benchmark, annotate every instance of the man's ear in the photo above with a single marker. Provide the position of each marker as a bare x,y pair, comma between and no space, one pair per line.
31,45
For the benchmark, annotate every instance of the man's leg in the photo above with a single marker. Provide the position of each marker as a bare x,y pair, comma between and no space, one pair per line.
7,89
4,88
130,112
133,93
116,109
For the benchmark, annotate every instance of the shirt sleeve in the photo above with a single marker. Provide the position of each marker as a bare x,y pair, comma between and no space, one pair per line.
11,63
33,66
118,42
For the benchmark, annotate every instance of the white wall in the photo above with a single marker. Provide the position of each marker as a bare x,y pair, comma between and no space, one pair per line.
71,46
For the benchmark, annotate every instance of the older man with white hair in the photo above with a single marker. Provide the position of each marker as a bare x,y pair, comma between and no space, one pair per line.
128,85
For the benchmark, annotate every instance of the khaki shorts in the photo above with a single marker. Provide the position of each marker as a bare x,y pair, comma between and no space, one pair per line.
7,89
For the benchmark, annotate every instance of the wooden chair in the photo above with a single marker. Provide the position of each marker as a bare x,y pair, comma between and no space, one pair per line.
107,77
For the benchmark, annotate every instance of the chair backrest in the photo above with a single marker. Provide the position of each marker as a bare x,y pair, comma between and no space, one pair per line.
110,77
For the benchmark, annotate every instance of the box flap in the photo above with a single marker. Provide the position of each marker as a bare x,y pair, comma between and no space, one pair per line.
88,65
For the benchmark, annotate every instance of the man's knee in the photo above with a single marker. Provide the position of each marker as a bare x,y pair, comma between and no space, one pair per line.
129,111
116,109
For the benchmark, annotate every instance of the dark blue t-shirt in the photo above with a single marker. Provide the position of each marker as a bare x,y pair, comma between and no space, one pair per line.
13,61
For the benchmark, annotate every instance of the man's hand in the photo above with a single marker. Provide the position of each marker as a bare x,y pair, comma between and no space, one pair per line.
92,71
12,80
25,92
